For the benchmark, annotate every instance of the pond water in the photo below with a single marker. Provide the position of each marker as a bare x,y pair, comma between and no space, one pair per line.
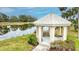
18,32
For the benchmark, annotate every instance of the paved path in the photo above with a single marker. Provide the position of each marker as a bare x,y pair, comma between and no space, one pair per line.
42,47
45,45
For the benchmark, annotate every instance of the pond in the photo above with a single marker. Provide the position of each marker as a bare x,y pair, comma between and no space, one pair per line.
14,31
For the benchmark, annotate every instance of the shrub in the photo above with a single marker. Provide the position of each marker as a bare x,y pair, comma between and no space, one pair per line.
62,45
32,40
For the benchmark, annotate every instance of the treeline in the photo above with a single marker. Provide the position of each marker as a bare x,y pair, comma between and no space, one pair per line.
20,18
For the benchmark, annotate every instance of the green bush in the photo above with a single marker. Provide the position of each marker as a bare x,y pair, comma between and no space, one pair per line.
32,40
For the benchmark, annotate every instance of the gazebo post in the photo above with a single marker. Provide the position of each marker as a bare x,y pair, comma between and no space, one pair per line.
39,33
65,33
52,33
60,30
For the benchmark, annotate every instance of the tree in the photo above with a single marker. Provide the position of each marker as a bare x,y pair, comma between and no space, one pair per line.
62,8
13,19
71,14
23,18
30,18
78,26
3,17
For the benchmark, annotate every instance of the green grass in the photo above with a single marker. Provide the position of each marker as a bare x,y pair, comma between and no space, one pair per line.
72,35
76,41
19,43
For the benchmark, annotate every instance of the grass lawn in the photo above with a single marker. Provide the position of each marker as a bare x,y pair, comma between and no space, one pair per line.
16,44
72,35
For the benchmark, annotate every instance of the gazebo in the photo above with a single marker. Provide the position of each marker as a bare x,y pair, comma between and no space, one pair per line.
51,21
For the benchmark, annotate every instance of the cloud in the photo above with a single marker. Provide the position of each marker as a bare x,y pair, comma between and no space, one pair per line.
6,10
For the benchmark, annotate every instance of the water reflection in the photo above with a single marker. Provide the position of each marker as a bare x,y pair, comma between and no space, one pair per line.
13,31
6,29
18,32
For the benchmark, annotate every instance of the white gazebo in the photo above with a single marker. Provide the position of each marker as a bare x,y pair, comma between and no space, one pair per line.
51,21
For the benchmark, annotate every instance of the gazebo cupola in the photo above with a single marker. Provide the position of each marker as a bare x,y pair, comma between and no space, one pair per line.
51,21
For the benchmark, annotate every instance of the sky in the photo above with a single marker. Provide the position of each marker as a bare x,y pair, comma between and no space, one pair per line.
37,12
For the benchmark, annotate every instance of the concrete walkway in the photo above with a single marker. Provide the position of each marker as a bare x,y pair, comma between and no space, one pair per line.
44,46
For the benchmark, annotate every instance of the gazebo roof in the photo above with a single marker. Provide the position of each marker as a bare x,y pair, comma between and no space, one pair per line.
52,20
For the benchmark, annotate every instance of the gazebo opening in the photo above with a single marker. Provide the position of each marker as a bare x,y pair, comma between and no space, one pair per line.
46,32
59,31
